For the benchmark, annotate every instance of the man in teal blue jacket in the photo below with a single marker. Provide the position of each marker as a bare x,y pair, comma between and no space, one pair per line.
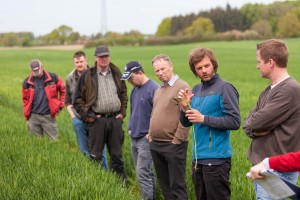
213,110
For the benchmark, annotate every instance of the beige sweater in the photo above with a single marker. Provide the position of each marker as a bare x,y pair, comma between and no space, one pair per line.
164,122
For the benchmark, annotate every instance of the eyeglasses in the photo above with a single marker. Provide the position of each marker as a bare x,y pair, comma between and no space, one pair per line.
132,76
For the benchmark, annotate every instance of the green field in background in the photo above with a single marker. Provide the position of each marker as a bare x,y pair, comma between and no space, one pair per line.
32,168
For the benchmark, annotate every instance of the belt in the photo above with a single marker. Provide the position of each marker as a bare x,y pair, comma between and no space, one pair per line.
112,114
161,141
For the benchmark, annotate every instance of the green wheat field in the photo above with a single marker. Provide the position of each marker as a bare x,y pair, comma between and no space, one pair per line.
34,168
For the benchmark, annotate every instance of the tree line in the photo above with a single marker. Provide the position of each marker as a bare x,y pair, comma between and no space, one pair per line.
251,21
279,19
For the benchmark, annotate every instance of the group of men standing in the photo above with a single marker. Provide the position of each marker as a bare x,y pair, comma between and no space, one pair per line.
161,117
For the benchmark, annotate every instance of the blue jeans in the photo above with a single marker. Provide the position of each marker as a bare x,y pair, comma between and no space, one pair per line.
82,139
261,194
143,164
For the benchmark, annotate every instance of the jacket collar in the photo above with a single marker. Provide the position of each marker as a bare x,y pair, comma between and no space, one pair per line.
211,81
45,74
74,75
112,67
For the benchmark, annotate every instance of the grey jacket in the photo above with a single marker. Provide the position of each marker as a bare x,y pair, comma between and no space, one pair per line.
273,124
71,82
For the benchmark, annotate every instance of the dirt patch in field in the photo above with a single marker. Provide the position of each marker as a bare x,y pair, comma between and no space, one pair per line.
56,47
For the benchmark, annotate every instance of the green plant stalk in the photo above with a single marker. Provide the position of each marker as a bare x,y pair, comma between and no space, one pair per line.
189,105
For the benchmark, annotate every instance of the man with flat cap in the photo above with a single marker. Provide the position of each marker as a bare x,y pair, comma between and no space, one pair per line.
43,96
141,103
100,99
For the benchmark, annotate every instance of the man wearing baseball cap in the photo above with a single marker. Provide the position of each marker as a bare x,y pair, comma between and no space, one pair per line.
80,65
141,101
43,97
100,98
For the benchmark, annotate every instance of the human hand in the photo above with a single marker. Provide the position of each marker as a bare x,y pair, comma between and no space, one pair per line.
175,141
119,116
90,119
69,109
255,171
194,116
149,138
185,98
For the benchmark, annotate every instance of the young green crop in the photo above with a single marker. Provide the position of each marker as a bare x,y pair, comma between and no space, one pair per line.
38,168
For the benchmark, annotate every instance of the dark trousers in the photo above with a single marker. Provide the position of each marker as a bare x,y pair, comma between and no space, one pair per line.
170,164
107,130
212,182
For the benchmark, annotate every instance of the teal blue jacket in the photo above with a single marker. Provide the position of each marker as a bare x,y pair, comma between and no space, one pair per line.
218,101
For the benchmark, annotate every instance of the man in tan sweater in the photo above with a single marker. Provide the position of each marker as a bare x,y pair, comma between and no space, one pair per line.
168,138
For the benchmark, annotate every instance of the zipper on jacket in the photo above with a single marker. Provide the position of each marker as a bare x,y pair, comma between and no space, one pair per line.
210,140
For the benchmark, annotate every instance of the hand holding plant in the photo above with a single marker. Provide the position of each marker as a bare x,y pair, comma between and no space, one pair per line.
185,98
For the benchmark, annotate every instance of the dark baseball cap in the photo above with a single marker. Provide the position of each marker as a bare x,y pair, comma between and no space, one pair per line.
102,51
130,67
35,65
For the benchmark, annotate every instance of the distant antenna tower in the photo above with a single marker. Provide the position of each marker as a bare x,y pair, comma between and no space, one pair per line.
103,18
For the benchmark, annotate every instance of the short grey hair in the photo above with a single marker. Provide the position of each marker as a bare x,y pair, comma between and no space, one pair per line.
162,57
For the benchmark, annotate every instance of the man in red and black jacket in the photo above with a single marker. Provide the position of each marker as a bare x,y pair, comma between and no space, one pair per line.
43,95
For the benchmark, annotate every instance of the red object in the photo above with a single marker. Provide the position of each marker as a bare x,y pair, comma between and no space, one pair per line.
286,163
56,103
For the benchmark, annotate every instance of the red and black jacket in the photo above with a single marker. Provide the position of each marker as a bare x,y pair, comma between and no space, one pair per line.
52,86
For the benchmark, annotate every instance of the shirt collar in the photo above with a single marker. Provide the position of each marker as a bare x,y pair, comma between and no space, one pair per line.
104,73
171,81
272,86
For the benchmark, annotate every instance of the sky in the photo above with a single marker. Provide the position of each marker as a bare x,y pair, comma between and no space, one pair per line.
88,16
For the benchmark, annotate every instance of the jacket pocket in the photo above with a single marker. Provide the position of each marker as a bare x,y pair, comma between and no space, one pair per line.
53,91
26,94
210,144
